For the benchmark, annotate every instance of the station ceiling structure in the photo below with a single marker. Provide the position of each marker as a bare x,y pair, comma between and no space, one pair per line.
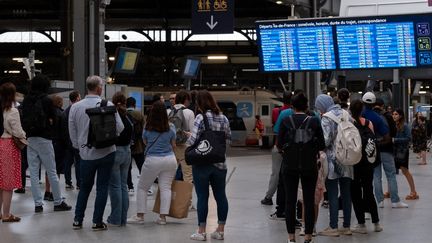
166,27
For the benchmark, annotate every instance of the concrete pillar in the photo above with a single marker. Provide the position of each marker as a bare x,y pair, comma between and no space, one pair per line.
66,40
89,45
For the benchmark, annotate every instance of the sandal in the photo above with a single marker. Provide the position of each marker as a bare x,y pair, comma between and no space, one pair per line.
11,219
412,196
422,163
387,195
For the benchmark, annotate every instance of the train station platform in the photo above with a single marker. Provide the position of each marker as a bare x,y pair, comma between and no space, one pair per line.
248,221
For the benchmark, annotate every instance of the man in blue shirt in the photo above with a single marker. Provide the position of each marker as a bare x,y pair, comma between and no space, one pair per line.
382,132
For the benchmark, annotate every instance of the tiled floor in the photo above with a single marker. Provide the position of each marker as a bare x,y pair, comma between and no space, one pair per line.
247,220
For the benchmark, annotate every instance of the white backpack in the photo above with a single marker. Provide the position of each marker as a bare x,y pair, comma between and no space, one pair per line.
348,143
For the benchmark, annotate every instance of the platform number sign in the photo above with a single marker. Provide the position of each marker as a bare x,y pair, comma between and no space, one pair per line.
212,16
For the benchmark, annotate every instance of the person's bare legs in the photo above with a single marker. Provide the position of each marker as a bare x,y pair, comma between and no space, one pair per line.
410,180
6,200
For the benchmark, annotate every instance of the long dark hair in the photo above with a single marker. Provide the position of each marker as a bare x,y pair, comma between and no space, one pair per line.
356,109
400,123
7,95
205,102
157,119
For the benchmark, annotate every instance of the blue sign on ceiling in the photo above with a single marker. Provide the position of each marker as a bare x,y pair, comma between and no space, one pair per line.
212,16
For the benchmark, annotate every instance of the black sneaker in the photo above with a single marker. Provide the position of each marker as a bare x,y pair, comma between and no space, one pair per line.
274,216
48,196
38,209
69,187
20,190
267,201
77,225
62,207
99,227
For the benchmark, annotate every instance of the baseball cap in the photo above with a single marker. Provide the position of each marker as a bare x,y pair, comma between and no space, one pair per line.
369,98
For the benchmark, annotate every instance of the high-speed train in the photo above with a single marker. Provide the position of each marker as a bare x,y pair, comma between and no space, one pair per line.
240,107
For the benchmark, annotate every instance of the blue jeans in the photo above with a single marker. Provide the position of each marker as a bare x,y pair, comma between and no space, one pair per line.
118,189
203,176
89,168
72,157
41,151
345,191
387,163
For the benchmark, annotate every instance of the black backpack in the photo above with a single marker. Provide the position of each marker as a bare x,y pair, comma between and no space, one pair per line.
369,145
34,116
102,129
300,151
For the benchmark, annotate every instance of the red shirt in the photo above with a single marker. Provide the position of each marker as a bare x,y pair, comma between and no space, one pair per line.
276,111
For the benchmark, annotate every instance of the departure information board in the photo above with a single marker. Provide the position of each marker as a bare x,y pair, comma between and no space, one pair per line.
376,46
398,41
295,49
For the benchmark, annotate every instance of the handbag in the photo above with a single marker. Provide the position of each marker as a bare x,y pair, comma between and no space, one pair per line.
181,197
21,143
209,147
400,154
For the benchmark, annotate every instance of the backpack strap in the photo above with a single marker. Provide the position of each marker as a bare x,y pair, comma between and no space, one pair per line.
308,121
206,123
103,102
291,119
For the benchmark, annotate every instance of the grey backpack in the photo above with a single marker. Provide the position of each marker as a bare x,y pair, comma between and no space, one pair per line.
176,117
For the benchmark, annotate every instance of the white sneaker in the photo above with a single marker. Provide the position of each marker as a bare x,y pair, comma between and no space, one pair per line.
345,231
150,192
359,228
302,231
314,233
198,236
161,221
329,232
381,204
399,205
131,192
135,220
217,235
378,227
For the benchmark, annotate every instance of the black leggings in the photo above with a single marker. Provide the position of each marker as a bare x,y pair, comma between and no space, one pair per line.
362,196
308,181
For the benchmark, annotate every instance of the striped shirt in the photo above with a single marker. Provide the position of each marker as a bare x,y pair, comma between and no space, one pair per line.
217,123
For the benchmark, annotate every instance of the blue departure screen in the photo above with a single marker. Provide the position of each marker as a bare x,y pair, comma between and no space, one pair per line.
398,41
294,49
376,45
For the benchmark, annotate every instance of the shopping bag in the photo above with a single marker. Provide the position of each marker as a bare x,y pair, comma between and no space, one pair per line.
181,197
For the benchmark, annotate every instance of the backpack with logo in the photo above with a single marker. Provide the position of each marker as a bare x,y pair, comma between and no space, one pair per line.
300,151
176,117
102,129
209,147
34,117
369,145
348,143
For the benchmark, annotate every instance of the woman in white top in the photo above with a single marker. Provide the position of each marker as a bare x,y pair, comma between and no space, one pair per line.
10,155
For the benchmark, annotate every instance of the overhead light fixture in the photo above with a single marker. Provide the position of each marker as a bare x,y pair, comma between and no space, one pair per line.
250,69
279,2
12,71
219,57
422,92
111,58
21,59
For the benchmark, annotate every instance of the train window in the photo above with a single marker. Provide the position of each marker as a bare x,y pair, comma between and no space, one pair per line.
265,110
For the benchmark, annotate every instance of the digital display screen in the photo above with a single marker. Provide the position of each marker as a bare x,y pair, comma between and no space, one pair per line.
398,41
126,60
296,49
376,46
191,68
